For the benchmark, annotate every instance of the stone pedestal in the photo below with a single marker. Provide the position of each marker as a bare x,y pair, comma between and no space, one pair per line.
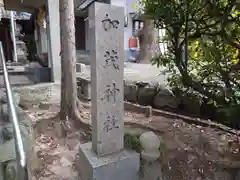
117,166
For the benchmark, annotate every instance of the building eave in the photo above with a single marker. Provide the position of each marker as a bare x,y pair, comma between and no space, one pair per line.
23,5
18,16
83,5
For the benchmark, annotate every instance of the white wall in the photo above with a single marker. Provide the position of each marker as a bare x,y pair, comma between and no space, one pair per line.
127,30
130,6
54,45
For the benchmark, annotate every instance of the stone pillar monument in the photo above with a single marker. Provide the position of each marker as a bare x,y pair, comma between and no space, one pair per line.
105,158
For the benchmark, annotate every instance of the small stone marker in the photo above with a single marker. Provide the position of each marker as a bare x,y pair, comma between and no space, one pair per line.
107,66
105,158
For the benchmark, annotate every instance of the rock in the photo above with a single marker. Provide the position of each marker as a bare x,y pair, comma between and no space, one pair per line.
146,95
165,98
130,92
4,111
76,147
59,129
150,144
35,94
150,155
191,104
60,171
11,170
238,175
148,111
71,142
44,106
65,162
149,140
16,98
81,67
152,171
7,134
222,175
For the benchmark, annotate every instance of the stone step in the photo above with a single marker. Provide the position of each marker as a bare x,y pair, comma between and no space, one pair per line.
19,75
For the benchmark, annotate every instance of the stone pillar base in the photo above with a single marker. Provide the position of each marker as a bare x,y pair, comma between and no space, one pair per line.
118,166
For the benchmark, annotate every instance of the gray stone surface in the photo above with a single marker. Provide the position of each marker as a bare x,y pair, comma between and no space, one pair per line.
222,175
4,112
104,158
152,171
118,166
107,66
82,57
16,98
237,175
130,91
146,94
137,73
150,144
7,148
39,93
20,75
11,170
143,84
84,89
165,98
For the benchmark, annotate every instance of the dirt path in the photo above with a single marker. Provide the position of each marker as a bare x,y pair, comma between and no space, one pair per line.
188,152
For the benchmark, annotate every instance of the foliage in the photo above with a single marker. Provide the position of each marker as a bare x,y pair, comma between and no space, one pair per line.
203,55
132,142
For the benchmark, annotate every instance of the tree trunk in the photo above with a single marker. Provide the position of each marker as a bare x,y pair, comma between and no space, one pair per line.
148,46
70,104
68,58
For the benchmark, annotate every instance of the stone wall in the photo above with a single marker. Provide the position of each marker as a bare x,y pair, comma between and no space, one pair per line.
7,143
143,93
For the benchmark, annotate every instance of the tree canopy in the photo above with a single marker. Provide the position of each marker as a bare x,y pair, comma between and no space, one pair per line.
203,55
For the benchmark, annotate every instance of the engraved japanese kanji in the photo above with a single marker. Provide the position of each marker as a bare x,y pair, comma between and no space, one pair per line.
110,123
110,93
111,59
108,23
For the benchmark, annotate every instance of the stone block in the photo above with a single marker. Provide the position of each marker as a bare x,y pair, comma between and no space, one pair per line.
4,113
43,74
191,104
84,90
106,26
152,171
146,95
165,98
7,148
16,98
78,67
130,92
118,166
